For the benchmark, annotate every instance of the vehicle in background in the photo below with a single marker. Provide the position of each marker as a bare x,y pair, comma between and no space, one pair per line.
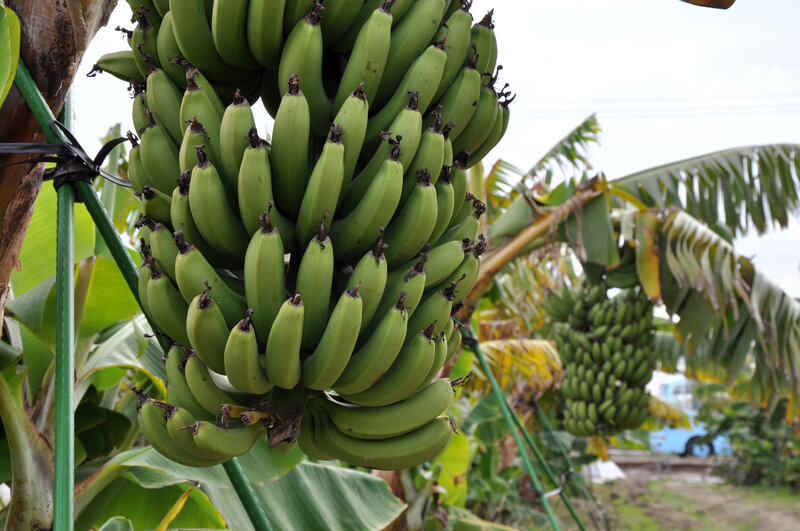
678,391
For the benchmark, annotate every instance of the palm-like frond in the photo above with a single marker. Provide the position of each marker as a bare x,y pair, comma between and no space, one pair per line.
569,152
753,186
534,362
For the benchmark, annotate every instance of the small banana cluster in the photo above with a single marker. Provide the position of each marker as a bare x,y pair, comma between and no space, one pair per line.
606,348
309,282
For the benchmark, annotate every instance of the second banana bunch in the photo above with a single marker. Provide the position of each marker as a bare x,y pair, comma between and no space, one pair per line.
308,283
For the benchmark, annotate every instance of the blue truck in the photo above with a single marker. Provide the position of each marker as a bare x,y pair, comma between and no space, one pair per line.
678,391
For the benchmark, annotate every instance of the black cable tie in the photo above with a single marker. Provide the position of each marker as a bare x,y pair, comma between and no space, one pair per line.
72,163
470,342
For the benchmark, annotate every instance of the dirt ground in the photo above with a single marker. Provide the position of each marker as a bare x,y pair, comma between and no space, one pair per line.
683,501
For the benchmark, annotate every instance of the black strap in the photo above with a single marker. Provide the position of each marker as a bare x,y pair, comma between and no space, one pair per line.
72,162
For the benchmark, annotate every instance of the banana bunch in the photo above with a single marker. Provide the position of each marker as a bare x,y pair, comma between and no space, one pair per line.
606,349
309,282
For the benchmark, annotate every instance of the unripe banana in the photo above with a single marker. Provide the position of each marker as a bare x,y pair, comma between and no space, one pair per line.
405,375
466,274
154,428
396,453
370,274
144,42
159,156
408,41
440,355
413,223
193,137
167,49
234,135
458,28
192,271
164,100
136,172
264,276
444,204
411,282
324,186
242,364
443,261
283,344
429,157
203,388
302,56
289,155
368,57
207,331
120,65
377,354
229,31
177,386
265,30
307,439
352,116
397,419
232,441
460,101
480,124
139,108
167,307
212,213
485,42
314,282
329,359
179,423
198,104
163,249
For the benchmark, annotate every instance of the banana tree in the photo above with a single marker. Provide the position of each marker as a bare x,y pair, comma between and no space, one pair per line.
681,218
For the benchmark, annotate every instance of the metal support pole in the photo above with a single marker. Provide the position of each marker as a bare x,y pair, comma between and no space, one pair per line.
472,343
246,495
64,489
64,447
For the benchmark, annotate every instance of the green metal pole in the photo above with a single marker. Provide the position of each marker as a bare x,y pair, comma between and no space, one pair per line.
64,447
124,261
473,344
246,495
539,457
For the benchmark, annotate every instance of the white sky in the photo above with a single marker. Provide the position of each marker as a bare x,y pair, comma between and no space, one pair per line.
668,81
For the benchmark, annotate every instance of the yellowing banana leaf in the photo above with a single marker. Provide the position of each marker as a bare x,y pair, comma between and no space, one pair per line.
597,446
9,49
455,461
176,509
534,361
647,253
662,413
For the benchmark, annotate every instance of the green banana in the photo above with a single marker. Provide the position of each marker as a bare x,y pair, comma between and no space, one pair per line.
167,307
242,365
229,31
444,204
120,64
177,386
485,42
393,420
289,155
144,42
307,439
139,108
207,331
433,310
413,223
356,232
458,28
493,138
294,11
440,355
314,282
199,104
153,425
196,41
283,344
159,156
136,172
163,249
429,156
373,359
350,33
180,214
396,453
192,271
422,77
264,276
459,180
203,387
324,186
231,441
302,55
448,143
459,101
404,376
469,228
178,420
234,137
339,17
255,192
411,281
265,30
164,100
144,277
352,117
443,261
167,49
162,7
212,214
453,343
482,121
408,41
466,274
367,60
329,359
370,274
194,136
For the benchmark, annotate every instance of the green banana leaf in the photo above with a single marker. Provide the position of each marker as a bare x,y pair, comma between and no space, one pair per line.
295,494
9,49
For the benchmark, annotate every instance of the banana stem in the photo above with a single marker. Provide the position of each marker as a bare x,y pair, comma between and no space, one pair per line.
246,495
498,259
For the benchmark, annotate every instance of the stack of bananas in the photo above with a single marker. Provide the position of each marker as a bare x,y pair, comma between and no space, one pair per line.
606,348
308,283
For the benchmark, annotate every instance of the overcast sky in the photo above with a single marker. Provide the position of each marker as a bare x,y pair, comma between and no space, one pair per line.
667,80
